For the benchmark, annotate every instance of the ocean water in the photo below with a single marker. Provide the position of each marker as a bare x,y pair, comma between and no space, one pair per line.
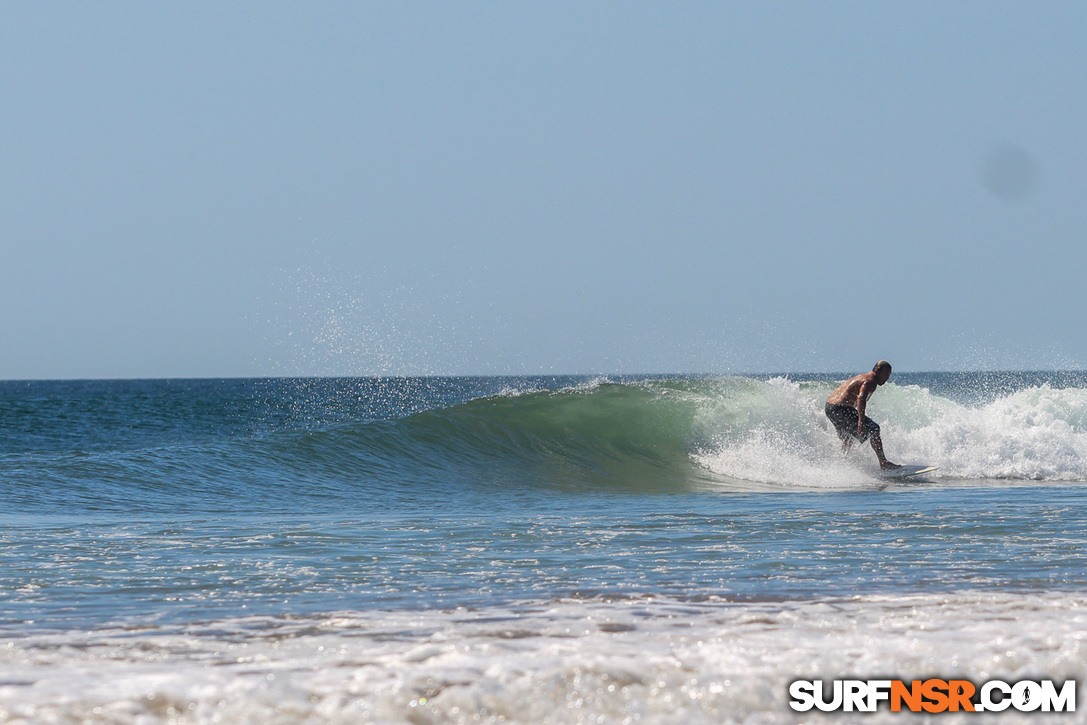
529,550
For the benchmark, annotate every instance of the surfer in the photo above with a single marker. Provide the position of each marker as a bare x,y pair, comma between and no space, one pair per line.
845,408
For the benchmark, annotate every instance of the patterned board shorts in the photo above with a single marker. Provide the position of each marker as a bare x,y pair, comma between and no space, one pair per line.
844,418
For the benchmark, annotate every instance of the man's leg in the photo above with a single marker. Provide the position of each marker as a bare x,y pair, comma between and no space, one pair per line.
877,446
843,424
872,428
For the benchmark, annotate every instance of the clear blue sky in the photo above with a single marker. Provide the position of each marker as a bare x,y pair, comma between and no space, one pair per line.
233,189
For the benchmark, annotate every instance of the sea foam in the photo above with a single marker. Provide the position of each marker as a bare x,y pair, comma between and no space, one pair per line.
1034,434
649,660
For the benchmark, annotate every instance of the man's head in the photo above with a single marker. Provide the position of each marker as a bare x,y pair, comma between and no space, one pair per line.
882,369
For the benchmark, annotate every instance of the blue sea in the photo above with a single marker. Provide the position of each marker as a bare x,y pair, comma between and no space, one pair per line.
651,549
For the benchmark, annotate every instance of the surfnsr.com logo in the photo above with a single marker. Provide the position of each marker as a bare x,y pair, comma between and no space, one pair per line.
933,695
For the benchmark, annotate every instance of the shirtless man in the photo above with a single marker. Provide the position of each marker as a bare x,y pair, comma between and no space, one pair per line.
845,408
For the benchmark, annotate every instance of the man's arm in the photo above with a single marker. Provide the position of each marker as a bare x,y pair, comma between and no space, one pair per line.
862,402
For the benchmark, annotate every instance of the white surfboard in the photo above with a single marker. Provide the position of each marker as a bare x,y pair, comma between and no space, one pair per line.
907,471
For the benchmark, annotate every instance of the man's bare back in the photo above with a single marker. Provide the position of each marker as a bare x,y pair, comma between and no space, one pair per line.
856,388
